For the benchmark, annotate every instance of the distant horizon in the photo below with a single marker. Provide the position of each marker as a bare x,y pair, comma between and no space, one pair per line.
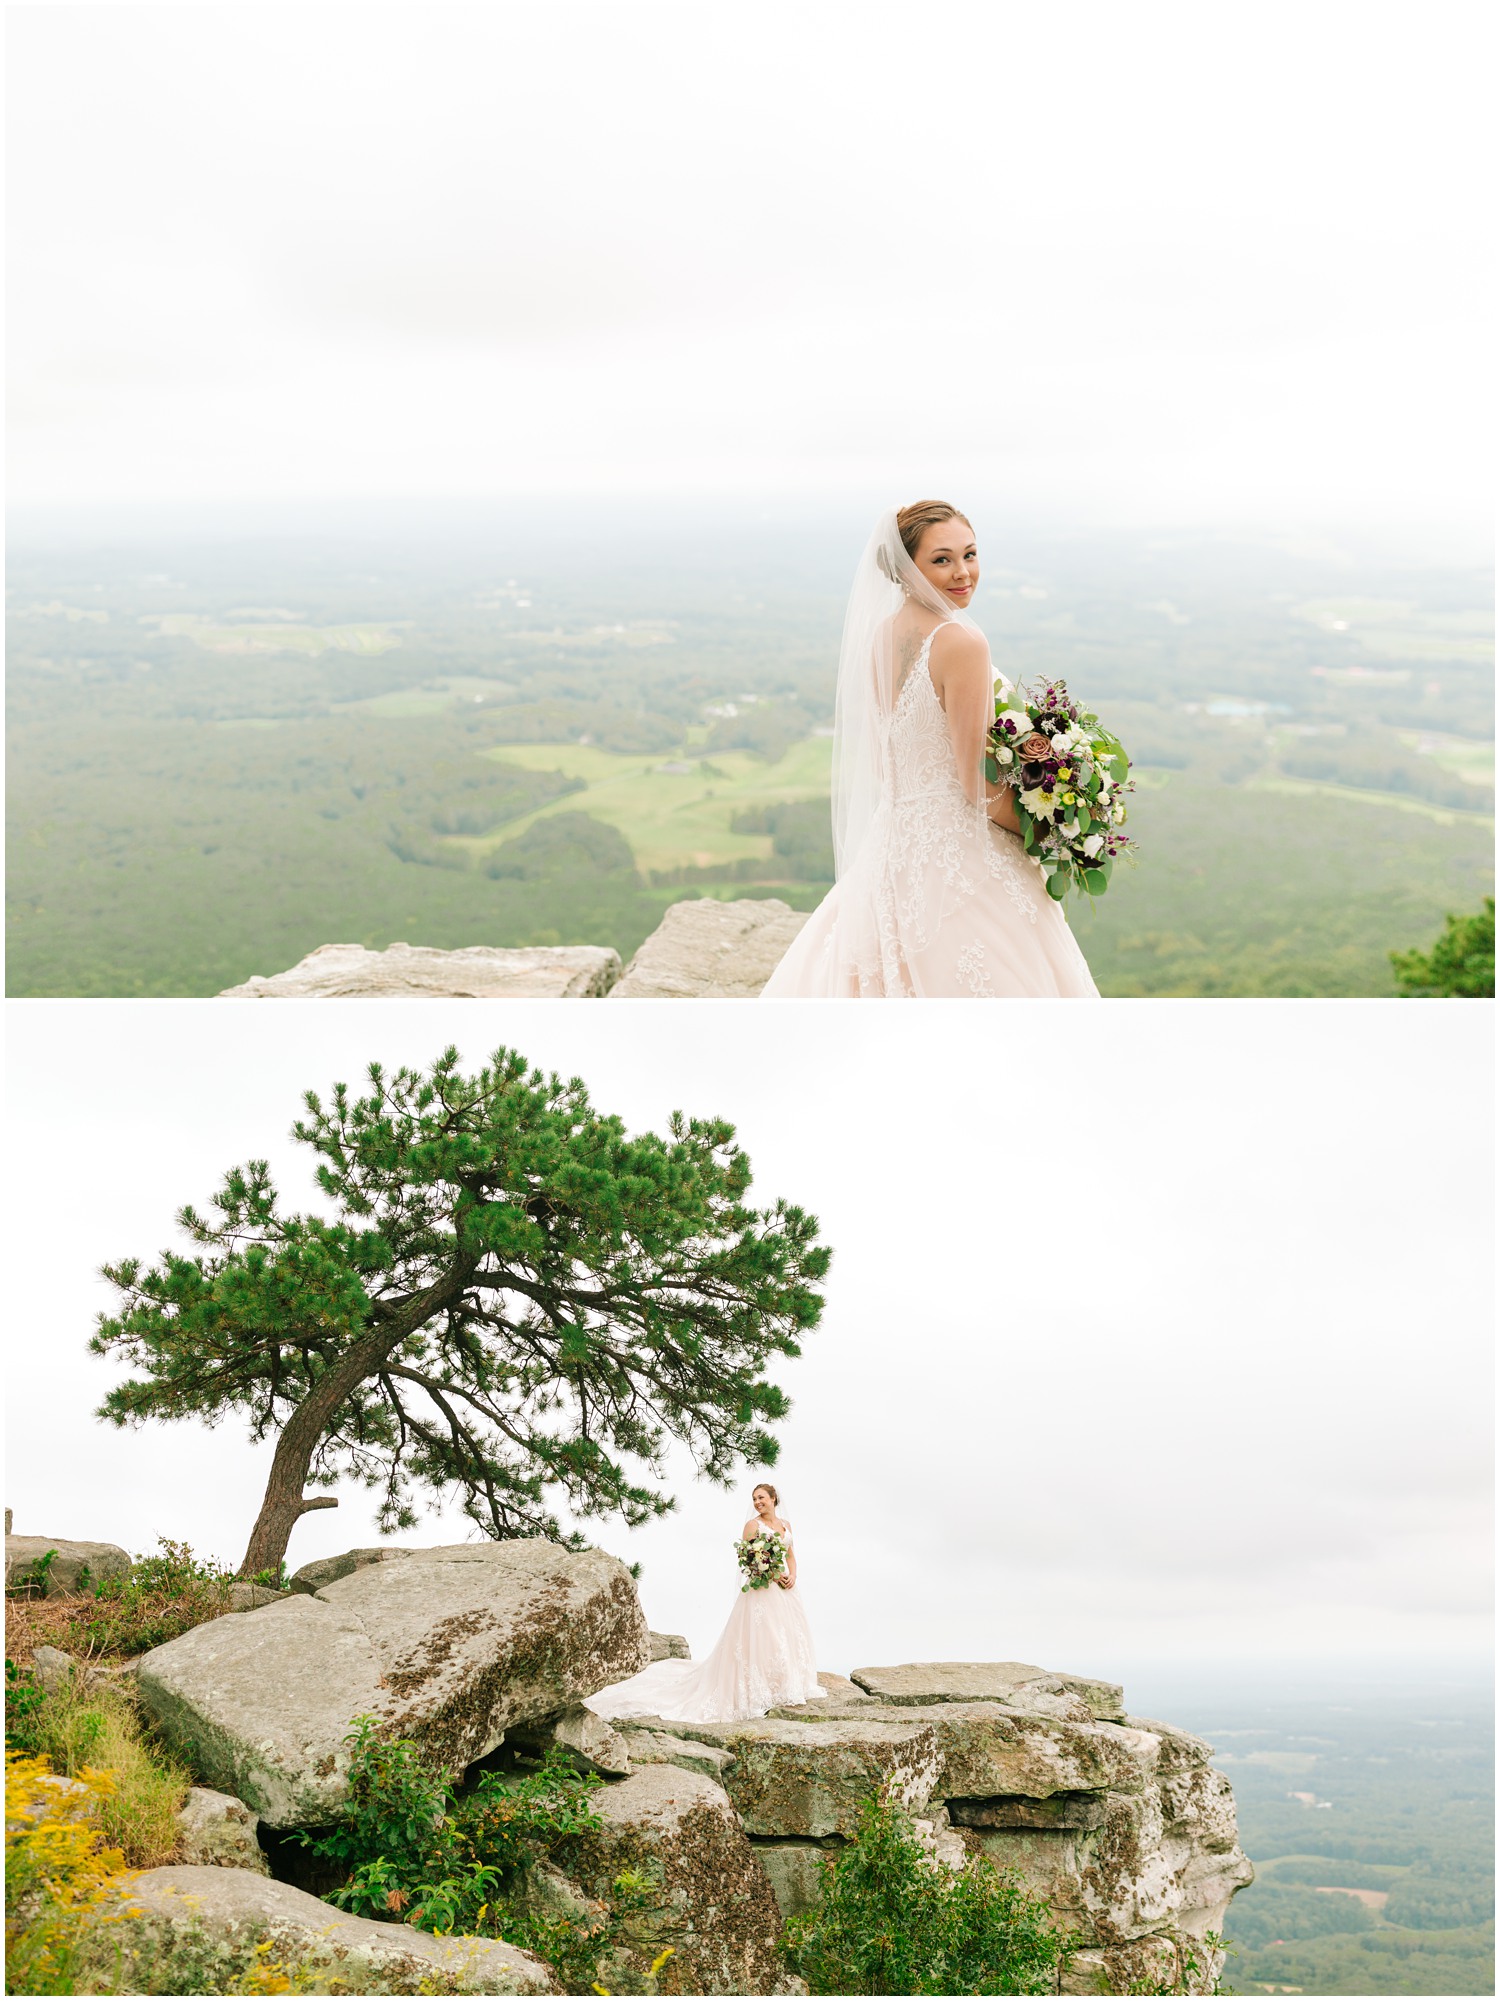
1462,542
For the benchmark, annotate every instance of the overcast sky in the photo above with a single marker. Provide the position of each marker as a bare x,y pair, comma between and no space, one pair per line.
1169,262
1222,1396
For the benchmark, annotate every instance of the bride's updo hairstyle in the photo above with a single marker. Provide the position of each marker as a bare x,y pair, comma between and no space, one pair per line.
913,521
922,514
765,1487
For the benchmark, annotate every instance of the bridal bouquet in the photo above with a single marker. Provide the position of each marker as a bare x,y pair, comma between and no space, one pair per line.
762,1558
1070,777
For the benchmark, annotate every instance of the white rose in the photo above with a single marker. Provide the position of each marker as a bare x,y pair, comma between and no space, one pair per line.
1003,755
1092,845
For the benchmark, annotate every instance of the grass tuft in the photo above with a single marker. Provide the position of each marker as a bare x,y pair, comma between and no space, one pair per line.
87,1726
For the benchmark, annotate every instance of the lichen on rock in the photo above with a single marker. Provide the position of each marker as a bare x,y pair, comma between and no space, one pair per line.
708,1900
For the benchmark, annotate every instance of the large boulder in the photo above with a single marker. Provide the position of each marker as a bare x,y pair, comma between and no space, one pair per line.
75,1566
472,972
709,1899
707,950
450,1648
201,1929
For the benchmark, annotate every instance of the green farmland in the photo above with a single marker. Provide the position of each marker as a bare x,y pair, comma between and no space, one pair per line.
675,812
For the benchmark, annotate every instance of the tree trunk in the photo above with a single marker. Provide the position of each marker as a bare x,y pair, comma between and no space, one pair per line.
284,1503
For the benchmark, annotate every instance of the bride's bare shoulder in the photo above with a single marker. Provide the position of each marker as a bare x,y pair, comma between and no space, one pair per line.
959,660
959,644
751,1526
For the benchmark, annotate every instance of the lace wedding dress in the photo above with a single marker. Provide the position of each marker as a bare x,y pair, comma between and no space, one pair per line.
932,899
763,1659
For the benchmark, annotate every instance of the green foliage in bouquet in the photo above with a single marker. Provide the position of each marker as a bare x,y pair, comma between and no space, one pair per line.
893,1921
1460,965
1069,776
762,1557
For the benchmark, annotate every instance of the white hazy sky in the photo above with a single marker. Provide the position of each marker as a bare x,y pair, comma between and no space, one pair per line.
1221,1396
1160,262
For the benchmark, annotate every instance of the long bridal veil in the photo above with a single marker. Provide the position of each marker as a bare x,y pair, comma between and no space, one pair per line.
886,583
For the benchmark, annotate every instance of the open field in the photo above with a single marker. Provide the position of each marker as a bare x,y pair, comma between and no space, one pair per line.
1384,802
1368,1814
288,637
674,811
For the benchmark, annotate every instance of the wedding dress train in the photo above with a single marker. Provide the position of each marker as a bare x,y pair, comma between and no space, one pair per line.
763,1659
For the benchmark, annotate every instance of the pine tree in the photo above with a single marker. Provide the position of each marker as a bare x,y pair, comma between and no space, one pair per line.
1460,964
512,1299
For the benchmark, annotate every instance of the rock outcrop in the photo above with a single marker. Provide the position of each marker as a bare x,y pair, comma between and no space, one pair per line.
710,1900
75,1566
701,950
472,972
706,950
449,1648
1117,1821
200,1928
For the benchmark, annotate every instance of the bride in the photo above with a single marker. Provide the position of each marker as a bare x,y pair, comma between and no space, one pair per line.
764,1656
935,894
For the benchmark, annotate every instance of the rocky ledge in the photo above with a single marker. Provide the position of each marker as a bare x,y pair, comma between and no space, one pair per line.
420,972
1119,1822
701,950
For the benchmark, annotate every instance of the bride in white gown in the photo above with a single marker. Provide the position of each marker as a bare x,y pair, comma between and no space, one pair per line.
763,1659
935,895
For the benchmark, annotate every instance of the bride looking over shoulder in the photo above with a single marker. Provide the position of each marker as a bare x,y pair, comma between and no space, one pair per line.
935,895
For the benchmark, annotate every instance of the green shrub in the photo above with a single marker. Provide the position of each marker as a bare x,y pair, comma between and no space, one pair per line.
24,1701
894,1921
456,1863
162,1597
1461,964
30,1580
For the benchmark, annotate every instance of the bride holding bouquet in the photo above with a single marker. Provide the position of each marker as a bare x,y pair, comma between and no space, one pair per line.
940,886
764,1656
